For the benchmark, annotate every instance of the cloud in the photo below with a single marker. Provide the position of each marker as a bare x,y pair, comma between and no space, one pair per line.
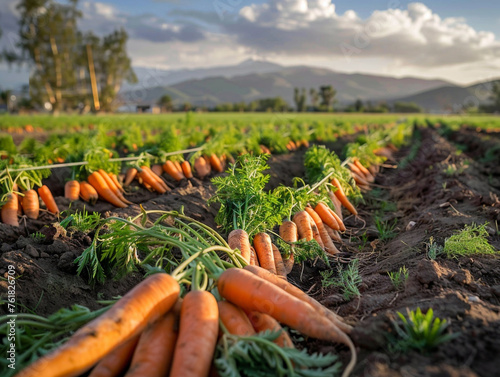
416,36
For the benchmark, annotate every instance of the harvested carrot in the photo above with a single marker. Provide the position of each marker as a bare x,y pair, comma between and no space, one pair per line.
179,168
117,183
202,167
48,199
339,193
148,178
301,219
9,210
253,293
129,177
369,177
327,241
315,231
88,192
216,163
186,169
234,319
111,184
102,188
263,322
288,232
198,332
264,249
278,262
337,206
117,361
254,260
157,169
72,190
334,235
155,350
157,178
294,291
360,181
30,204
323,211
146,302
170,168
238,239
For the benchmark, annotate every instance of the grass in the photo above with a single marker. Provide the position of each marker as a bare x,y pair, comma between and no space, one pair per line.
433,249
422,332
469,241
399,278
386,229
347,280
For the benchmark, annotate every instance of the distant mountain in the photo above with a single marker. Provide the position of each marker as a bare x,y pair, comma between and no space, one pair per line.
210,91
450,98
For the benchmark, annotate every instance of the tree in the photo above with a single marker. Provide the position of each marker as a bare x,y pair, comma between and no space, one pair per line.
358,106
407,107
327,94
300,99
495,95
272,104
165,102
314,96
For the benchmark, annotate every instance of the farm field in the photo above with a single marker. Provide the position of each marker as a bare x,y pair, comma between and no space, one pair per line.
426,234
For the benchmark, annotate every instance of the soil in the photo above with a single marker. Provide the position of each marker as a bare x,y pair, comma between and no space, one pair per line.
452,181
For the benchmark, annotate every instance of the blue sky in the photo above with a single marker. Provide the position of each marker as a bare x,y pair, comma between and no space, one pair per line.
454,40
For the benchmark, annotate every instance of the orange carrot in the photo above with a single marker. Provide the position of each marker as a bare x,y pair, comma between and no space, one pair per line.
323,211
263,322
264,249
339,193
155,350
114,178
148,178
296,292
88,192
48,199
146,302
158,178
234,319
170,168
9,210
238,239
315,231
253,293
72,190
369,177
102,188
157,169
216,163
334,235
31,205
115,362
288,232
327,241
201,167
337,206
186,169
129,177
360,181
179,168
301,219
254,260
111,184
278,262
198,332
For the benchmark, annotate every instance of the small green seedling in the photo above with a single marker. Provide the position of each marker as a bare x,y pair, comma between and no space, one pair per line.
433,249
347,280
469,241
386,229
399,278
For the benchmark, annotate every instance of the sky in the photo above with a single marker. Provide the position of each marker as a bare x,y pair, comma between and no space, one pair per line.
457,40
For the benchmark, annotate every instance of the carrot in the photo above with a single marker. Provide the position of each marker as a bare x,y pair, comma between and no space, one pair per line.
179,168
111,184
198,332
186,169
323,211
338,219
117,183
278,262
234,319
30,204
72,190
264,249
9,210
238,239
334,235
102,188
115,362
296,292
170,168
129,177
88,192
315,230
369,177
216,163
288,232
361,181
327,241
254,260
201,167
301,219
339,193
146,302
154,352
253,293
337,206
148,178
374,169
48,199
157,169
157,178
263,322
264,149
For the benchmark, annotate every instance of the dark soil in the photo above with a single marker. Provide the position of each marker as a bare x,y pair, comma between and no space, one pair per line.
434,195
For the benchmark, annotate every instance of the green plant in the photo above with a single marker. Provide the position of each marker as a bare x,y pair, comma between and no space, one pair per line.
433,249
399,278
82,221
468,241
37,236
386,229
364,240
419,331
347,280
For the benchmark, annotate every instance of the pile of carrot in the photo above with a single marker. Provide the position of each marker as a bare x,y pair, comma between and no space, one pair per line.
151,331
